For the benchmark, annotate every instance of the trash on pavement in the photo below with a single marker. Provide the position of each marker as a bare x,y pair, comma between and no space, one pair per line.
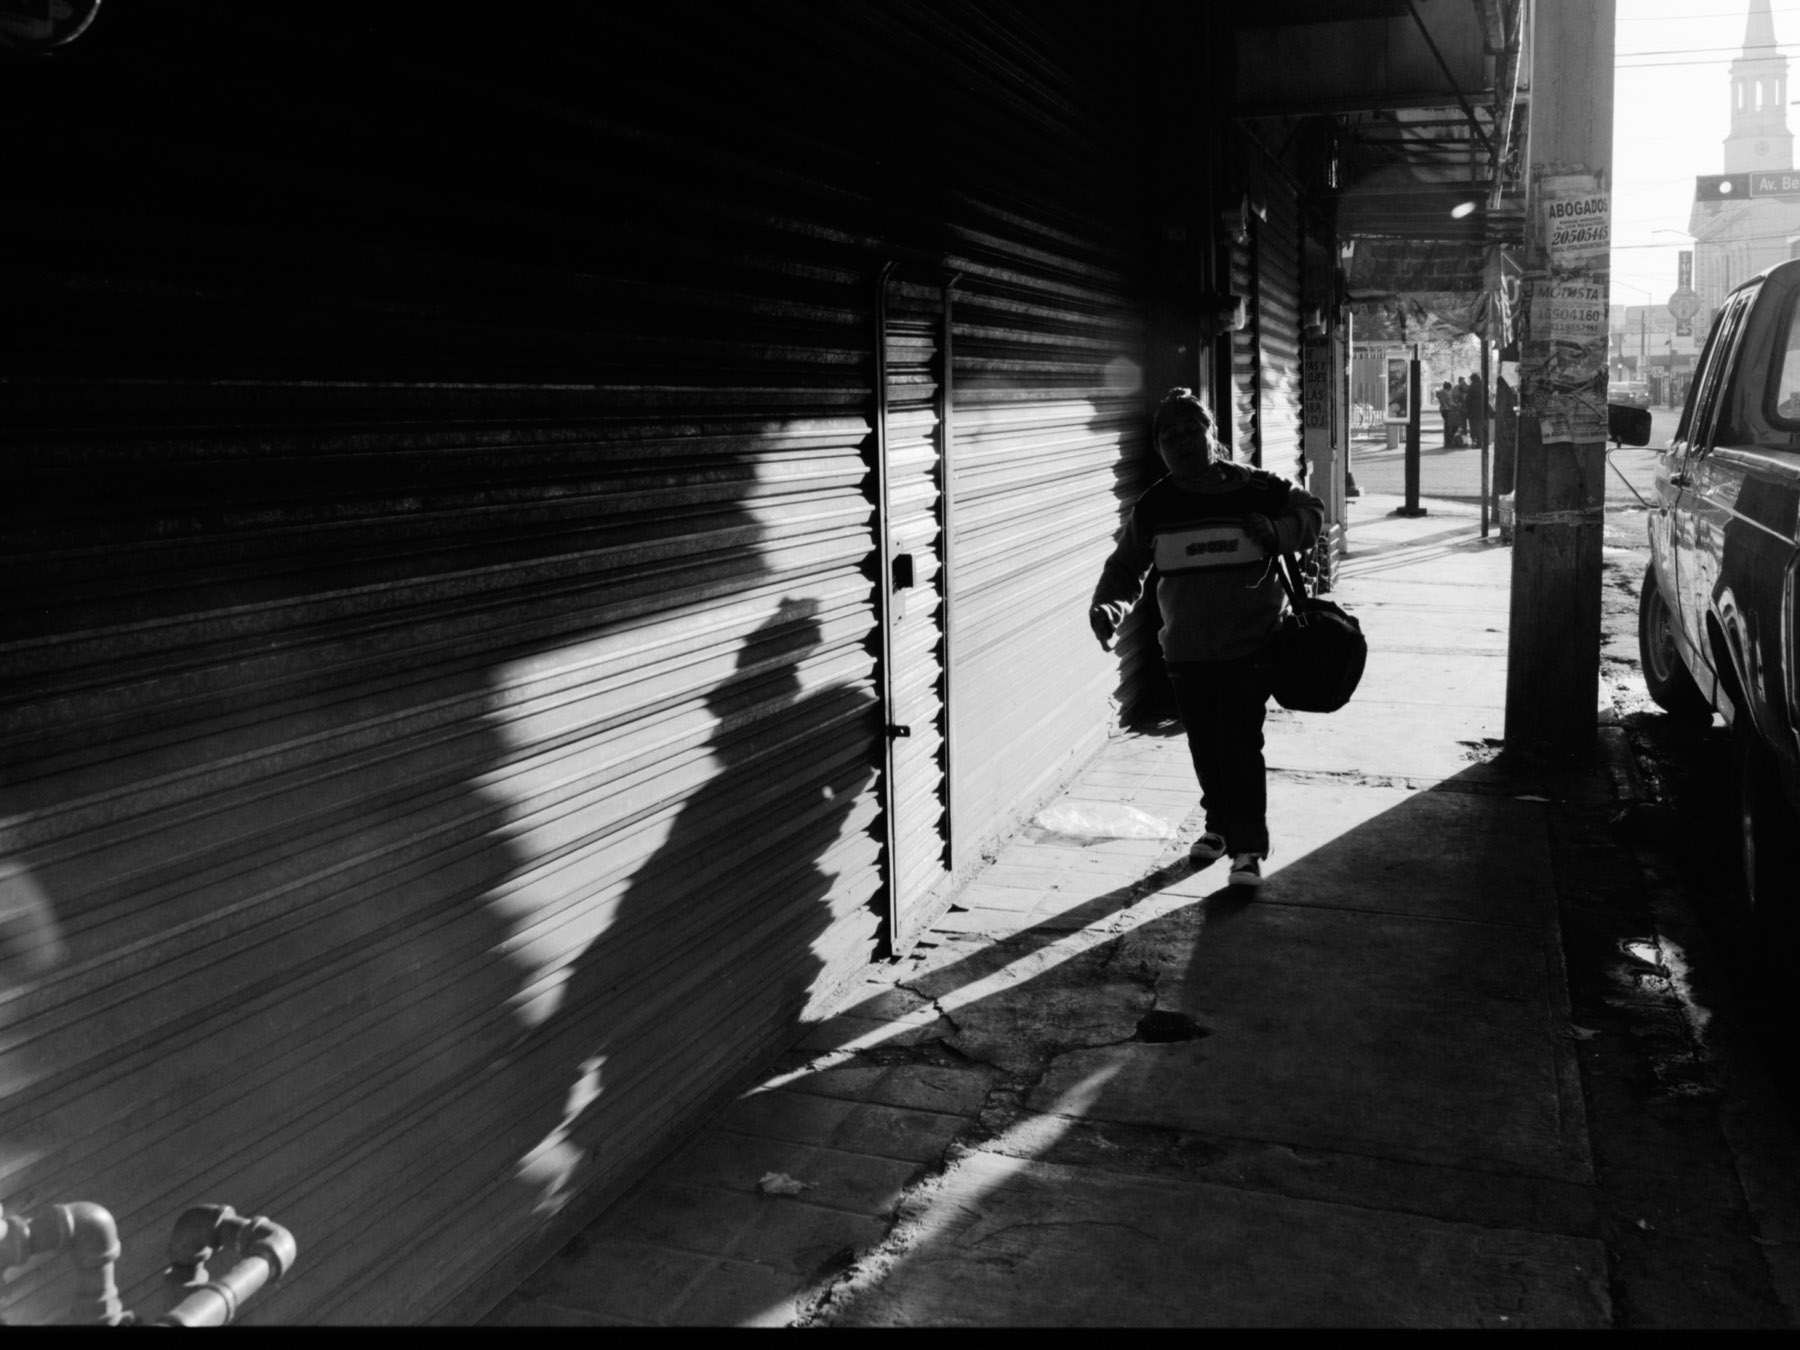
780,1183
1103,820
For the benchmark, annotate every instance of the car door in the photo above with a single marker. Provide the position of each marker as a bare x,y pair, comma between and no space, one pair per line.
1748,492
1693,534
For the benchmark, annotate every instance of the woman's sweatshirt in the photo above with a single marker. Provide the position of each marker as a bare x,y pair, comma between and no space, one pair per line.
1219,593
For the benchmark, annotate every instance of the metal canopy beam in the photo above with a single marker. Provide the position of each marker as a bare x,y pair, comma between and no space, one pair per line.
1422,100
1449,78
1379,62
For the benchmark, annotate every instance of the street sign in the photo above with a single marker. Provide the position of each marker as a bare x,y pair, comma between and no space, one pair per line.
1725,187
1774,183
1684,303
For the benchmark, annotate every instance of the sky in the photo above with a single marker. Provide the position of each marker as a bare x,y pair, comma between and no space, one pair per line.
1671,114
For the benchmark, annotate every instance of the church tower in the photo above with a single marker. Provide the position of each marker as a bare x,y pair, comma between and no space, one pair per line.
1759,138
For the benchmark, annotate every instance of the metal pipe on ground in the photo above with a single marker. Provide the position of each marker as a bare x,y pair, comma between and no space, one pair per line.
265,1251
88,1233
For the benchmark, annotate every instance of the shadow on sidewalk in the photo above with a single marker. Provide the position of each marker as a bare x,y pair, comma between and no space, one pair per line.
1357,1072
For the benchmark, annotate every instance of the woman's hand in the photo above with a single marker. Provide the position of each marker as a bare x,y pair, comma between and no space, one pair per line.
1100,620
1262,532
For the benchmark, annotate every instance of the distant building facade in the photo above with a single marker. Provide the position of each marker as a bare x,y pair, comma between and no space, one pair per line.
1737,238
1646,345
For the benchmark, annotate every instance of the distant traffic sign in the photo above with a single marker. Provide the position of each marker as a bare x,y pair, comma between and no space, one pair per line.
1721,187
1725,187
1684,303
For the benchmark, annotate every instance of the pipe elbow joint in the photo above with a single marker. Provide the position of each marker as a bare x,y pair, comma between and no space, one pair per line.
273,1243
196,1234
90,1232
203,1230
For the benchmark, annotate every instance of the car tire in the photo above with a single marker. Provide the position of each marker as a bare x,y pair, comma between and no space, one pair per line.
1768,850
1667,679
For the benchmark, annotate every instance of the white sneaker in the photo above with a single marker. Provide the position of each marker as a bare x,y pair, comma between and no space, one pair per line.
1207,848
1246,870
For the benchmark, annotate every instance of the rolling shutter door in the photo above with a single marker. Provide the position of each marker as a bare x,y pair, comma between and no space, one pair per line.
438,703
1278,334
1246,400
1265,354
1051,438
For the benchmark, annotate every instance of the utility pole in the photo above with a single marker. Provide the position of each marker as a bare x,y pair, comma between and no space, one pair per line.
1553,646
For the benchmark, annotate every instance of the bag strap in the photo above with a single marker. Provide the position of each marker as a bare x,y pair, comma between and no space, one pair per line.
1293,581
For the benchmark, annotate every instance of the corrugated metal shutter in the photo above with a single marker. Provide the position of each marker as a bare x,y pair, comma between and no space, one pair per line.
1246,362
1051,428
1021,120
1278,334
440,631
439,696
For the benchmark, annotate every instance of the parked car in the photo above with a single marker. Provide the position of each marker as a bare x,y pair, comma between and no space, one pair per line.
1632,393
1719,613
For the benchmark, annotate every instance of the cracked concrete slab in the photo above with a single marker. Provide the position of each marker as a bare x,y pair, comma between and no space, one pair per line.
1416,675
1370,742
998,1241
1012,1002
1456,1194
1296,1055
1438,854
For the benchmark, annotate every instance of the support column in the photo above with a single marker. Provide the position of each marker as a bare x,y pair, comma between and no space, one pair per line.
1483,431
1415,398
1553,652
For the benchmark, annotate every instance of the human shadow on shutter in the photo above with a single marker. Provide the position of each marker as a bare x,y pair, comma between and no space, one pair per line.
716,932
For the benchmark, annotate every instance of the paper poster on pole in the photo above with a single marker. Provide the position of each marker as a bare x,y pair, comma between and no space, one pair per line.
1578,228
1563,370
1399,389
1570,310
1315,385
1563,348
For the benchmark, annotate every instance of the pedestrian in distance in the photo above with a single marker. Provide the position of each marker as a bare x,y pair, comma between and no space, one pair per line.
1213,528
1460,398
1446,400
1476,408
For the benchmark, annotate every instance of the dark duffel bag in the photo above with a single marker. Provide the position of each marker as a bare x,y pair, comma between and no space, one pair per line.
1320,651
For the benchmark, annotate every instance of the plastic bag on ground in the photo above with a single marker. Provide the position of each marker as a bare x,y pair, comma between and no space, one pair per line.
780,1183
1103,820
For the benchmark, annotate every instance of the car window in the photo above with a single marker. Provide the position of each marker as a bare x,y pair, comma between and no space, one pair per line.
1708,395
1784,406
1700,385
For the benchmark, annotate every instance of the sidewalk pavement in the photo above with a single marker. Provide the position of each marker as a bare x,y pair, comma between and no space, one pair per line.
1108,1089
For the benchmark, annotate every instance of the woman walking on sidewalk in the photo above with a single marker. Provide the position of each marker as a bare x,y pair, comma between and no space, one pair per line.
1212,527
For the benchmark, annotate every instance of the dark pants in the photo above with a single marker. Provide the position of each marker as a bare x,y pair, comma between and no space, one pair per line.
1222,706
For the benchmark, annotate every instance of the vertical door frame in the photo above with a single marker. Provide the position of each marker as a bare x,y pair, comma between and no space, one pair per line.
946,556
884,587
895,937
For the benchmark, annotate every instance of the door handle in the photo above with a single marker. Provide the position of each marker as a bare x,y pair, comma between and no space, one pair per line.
1678,480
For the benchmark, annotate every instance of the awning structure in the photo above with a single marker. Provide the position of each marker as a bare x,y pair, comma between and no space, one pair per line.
1429,317
1406,291
1411,116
